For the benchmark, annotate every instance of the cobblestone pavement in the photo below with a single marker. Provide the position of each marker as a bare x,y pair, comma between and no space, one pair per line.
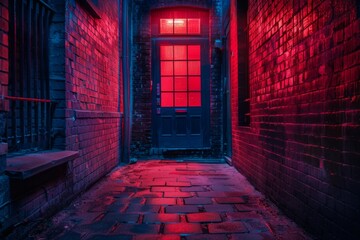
161,199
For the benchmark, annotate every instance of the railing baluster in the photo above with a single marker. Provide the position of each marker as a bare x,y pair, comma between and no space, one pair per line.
28,82
30,120
36,69
22,73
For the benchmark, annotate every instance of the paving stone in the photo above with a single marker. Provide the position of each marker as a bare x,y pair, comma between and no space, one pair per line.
70,235
221,194
203,217
181,209
257,225
148,193
197,201
121,217
247,207
137,208
164,189
118,208
219,208
134,229
207,237
122,194
227,188
255,236
156,237
178,184
193,189
182,228
161,201
242,216
227,227
226,200
99,226
161,218
178,194
152,183
106,237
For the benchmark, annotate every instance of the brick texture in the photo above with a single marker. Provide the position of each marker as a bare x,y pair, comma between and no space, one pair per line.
85,82
301,148
92,90
4,78
142,141
4,60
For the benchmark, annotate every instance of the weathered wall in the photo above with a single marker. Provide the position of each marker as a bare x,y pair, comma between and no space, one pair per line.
302,146
92,90
85,81
142,141
4,78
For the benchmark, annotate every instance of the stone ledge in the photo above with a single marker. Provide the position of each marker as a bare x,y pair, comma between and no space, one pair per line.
26,166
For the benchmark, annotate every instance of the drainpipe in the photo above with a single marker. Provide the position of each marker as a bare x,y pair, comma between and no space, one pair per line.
126,81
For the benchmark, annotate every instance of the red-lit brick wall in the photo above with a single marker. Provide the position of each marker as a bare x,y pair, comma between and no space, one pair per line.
92,90
4,61
4,78
85,81
302,146
142,141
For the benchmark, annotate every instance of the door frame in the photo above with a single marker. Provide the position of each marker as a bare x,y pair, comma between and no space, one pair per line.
205,85
226,73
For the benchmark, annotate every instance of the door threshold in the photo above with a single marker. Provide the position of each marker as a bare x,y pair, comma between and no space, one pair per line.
228,160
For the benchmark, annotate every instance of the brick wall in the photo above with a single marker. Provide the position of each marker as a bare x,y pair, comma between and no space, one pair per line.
301,148
92,90
85,82
142,141
4,78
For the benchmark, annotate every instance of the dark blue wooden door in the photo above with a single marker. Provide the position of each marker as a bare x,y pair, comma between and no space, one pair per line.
181,93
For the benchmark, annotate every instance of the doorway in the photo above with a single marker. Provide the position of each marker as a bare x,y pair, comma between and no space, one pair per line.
181,93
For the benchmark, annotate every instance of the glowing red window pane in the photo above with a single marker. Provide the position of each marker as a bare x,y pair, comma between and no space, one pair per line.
166,52
180,26
166,68
194,83
167,84
167,99
166,26
180,67
194,67
180,52
180,84
181,99
194,52
193,26
194,99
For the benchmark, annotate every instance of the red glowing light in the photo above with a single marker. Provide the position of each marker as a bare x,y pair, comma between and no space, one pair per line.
178,89
180,84
179,26
194,26
194,67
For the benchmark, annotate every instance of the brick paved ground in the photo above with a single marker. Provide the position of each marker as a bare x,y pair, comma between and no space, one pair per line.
171,200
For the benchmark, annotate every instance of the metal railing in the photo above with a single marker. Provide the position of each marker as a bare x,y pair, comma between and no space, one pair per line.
29,119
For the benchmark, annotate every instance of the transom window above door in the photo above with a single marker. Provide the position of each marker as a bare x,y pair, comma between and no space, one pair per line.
188,26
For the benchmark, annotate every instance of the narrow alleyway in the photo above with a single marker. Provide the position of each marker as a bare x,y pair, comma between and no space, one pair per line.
171,200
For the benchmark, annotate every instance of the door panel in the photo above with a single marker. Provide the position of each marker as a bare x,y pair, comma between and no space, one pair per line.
180,97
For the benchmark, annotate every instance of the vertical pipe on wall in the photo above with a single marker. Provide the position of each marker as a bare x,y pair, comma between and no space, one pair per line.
126,81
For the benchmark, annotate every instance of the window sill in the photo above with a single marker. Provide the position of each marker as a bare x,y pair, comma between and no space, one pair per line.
26,166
